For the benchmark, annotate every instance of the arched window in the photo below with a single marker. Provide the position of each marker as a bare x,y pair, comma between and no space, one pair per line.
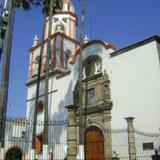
40,107
92,65
67,57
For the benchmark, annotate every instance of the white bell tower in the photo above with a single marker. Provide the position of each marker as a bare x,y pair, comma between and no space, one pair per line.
65,21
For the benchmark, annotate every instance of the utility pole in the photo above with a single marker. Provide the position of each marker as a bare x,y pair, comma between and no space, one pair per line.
47,70
81,120
37,93
5,68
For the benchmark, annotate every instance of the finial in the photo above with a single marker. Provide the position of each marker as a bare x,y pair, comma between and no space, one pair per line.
68,6
85,39
35,40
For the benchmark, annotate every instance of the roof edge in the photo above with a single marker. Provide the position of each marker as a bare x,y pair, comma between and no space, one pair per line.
106,46
135,45
53,36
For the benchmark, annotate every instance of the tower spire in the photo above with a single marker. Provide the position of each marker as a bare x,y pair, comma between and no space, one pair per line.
68,6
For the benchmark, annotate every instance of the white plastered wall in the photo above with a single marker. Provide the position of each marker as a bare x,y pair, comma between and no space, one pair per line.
135,87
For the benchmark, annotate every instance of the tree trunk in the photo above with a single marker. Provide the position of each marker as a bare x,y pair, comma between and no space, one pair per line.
47,69
5,70
37,90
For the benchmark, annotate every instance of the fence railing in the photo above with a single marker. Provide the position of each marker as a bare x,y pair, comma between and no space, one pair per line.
18,141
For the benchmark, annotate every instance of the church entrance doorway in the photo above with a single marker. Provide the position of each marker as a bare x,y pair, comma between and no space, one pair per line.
94,144
14,154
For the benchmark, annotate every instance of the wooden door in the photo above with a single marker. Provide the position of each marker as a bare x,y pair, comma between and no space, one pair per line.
94,144
38,145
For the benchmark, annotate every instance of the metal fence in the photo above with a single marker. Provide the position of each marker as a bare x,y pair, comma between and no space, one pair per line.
18,141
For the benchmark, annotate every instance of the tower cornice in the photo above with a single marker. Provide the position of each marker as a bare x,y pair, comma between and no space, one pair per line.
69,13
53,36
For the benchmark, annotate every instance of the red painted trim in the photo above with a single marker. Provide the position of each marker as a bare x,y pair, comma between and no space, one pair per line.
62,55
44,35
31,65
45,32
53,36
42,62
54,54
107,46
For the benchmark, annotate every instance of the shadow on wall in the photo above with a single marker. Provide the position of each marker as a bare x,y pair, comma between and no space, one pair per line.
58,127
30,117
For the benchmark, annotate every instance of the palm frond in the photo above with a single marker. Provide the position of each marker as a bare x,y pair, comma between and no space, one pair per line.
57,6
25,4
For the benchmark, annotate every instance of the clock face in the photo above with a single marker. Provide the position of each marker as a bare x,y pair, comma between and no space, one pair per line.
90,96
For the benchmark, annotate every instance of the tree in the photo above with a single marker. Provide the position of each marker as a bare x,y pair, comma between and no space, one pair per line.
12,5
50,7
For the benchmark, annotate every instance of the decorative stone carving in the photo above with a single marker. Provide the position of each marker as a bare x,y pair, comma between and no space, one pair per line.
131,138
97,113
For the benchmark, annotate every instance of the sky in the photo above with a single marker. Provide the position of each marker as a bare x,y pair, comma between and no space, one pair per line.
120,22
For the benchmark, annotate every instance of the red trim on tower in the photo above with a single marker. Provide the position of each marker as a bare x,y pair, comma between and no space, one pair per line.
45,32
43,45
62,55
54,54
52,36
31,65
42,61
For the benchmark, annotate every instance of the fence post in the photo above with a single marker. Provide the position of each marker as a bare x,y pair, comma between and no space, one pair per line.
108,136
72,133
1,153
131,138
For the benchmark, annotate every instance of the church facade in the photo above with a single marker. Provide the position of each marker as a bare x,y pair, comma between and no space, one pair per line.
116,84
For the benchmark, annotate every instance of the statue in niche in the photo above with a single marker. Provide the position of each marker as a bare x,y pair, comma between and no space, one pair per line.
106,89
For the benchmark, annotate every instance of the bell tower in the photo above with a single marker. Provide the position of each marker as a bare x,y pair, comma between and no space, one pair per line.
63,41
64,21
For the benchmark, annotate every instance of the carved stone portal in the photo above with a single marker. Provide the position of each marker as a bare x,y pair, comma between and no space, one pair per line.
97,107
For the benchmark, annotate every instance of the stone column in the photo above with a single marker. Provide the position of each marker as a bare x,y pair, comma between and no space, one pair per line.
108,136
131,138
72,133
